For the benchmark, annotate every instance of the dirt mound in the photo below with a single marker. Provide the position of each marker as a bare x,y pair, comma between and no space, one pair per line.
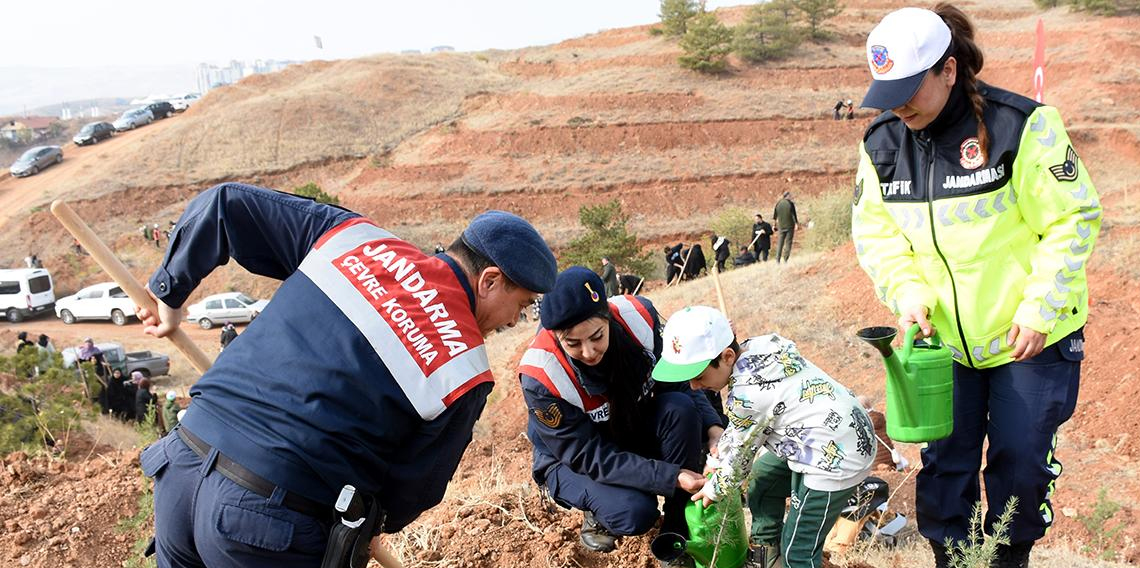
63,512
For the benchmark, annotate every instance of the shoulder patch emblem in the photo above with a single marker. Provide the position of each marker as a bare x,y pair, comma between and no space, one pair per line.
971,154
551,417
1067,170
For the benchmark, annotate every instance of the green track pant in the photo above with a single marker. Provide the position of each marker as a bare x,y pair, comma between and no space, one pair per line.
812,514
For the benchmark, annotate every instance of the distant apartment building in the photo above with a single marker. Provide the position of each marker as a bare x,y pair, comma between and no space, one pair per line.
211,76
442,48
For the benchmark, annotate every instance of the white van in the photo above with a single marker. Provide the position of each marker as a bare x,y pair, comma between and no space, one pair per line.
25,292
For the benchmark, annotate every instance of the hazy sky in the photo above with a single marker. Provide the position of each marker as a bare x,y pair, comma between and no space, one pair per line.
88,33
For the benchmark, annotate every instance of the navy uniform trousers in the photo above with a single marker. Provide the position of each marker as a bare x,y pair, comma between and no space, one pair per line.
627,511
1018,407
208,520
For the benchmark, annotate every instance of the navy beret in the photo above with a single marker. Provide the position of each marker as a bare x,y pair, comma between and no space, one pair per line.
513,245
577,295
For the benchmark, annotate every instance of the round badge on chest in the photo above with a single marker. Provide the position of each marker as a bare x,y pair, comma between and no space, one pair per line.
971,154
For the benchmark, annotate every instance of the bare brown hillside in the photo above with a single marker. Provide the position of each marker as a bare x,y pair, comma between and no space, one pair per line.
421,143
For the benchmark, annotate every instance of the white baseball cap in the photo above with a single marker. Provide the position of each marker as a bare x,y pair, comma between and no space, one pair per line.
900,50
692,337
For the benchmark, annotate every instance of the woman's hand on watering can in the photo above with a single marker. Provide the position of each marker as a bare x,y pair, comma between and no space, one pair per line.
1027,343
916,314
690,481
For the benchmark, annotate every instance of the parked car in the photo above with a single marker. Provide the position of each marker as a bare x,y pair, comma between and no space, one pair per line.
148,363
133,119
161,109
36,159
105,301
25,292
232,307
182,103
93,132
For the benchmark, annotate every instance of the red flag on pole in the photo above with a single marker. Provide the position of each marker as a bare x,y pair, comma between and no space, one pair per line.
1039,64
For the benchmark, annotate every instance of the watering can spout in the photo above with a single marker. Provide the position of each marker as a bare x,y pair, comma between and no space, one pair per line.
880,337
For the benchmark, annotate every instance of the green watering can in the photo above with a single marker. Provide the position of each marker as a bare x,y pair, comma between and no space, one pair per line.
920,385
704,532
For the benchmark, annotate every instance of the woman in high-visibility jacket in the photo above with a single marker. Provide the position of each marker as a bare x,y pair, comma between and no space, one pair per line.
974,217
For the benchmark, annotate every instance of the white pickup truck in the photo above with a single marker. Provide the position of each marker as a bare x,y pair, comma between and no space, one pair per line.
101,301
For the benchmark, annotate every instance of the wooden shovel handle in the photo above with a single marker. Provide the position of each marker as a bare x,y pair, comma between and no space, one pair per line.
119,273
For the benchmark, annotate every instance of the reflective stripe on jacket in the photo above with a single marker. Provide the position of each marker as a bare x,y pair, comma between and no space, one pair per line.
982,244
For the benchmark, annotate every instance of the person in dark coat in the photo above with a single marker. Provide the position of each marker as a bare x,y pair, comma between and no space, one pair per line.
24,343
673,261
722,249
744,258
629,283
144,400
694,262
786,223
761,238
120,406
228,335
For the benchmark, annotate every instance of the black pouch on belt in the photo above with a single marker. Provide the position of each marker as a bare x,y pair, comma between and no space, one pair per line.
359,519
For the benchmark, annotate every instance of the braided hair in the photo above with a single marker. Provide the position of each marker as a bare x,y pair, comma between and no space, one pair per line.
970,60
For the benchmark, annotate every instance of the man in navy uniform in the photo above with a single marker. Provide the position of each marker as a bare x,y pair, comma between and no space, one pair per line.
368,368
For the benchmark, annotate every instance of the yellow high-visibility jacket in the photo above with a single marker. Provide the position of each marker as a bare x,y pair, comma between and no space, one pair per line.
981,242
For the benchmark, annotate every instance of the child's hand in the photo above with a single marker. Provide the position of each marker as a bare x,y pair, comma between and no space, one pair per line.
704,497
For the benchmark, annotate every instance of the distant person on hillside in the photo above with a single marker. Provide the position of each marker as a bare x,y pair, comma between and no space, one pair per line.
695,262
228,335
673,262
156,235
761,238
722,249
629,283
120,400
744,258
145,401
170,410
838,107
786,224
24,343
45,344
609,277
850,110
975,218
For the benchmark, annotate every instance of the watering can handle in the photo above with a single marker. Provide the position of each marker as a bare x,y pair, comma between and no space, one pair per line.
908,341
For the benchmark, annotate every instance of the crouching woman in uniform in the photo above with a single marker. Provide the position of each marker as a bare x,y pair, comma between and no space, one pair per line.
608,439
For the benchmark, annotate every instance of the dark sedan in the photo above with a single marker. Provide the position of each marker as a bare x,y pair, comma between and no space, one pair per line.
94,132
36,159
161,109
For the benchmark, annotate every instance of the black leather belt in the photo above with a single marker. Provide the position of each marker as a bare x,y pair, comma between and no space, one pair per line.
240,475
